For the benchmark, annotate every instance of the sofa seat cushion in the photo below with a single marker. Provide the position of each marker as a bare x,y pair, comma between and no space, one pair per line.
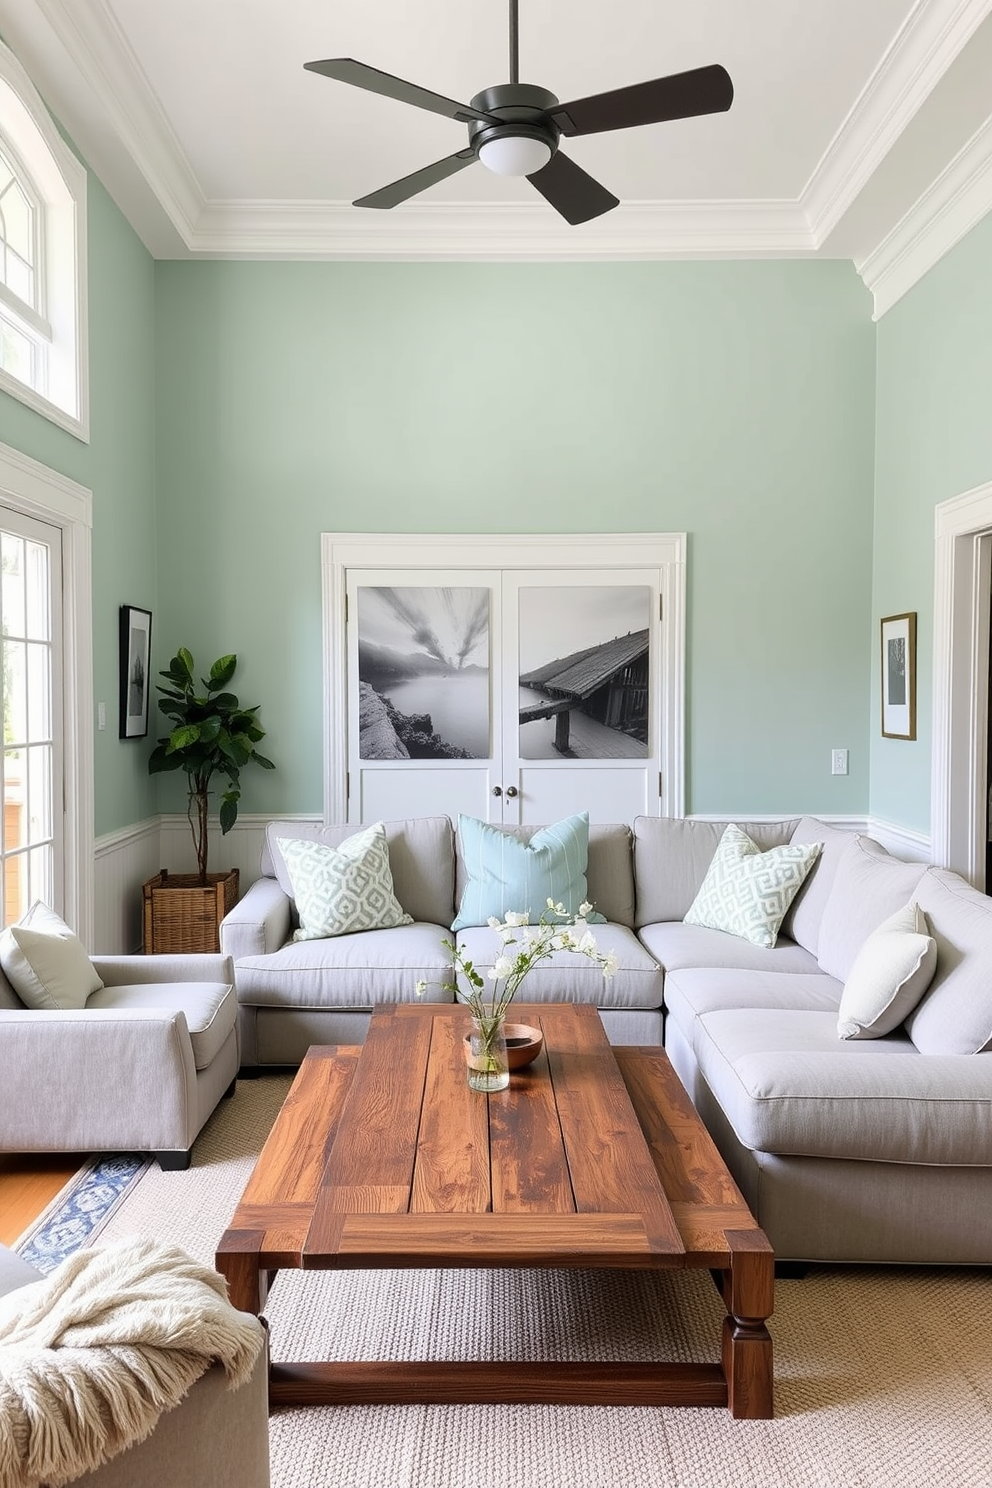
694,991
352,971
675,945
788,1085
568,977
210,1009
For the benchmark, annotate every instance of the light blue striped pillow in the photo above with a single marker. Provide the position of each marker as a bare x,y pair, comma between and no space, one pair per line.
505,874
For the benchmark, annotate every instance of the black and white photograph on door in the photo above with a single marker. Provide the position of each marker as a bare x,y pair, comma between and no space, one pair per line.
423,673
584,672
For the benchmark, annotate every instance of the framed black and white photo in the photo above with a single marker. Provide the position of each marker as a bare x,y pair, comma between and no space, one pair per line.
423,672
583,671
899,676
135,654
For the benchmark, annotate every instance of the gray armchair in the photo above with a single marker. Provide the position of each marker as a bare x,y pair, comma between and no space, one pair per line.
138,1069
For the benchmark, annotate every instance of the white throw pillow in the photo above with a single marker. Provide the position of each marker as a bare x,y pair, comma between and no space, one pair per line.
746,892
45,963
339,890
890,974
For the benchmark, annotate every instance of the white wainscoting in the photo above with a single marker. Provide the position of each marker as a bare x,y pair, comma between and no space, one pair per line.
124,860
902,842
121,863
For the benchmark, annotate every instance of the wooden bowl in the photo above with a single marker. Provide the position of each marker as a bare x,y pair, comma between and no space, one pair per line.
523,1044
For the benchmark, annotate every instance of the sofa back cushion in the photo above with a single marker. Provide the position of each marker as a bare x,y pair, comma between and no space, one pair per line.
672,855
955,1015
609,870
421,860
802,922
868,887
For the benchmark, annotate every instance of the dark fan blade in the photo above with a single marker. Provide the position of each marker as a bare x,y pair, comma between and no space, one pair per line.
346,70
400,191
571,191
705,90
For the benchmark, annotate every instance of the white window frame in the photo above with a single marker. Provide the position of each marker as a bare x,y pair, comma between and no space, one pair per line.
57,180
36,491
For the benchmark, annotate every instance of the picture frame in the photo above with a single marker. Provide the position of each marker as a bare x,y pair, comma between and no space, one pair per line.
898,635
135,637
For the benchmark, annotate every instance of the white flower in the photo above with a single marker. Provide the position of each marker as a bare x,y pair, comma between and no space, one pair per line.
494,923
578,928
587,943
517,917
611,964
500,968
421,988
508,934
585,909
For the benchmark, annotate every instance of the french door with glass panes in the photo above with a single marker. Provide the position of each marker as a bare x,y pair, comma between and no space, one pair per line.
514,680
31,771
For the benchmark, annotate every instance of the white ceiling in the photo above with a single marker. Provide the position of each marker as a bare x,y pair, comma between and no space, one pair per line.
860,128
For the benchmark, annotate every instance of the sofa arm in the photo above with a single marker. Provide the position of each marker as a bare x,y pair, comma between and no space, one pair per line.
98,1079
125,971
260,924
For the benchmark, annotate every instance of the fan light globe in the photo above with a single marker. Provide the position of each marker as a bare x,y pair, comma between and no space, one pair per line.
514,155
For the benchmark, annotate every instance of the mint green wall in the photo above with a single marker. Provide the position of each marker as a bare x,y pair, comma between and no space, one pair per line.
118,466
934,441
731,400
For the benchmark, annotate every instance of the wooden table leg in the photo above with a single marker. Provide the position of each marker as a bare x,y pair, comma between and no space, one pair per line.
747,1346
237,1260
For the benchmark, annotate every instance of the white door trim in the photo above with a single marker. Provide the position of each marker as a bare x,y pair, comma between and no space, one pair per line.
341,551
963,561
32,488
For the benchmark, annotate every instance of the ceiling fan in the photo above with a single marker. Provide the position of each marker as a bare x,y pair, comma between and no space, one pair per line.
514,127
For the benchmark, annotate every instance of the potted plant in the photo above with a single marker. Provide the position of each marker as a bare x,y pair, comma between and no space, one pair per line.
212,734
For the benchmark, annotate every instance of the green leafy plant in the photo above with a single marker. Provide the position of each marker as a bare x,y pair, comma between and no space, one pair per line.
212,734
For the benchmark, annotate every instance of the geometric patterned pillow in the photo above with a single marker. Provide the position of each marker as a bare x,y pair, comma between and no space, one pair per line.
747,892
339,890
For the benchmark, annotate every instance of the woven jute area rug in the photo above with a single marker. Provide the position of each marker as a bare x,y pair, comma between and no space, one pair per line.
883,1376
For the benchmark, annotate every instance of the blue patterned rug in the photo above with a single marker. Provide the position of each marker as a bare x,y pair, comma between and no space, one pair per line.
80,1210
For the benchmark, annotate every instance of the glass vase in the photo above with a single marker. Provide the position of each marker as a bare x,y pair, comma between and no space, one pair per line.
487,1065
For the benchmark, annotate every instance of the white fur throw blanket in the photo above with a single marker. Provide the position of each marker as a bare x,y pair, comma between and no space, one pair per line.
94,1353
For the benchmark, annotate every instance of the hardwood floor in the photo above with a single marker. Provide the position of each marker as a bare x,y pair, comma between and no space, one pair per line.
27,1184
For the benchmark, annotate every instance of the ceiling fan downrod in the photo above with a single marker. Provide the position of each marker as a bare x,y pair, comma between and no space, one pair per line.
514,44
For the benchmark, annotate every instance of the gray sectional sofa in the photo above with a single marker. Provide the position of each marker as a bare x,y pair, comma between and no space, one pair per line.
876,1149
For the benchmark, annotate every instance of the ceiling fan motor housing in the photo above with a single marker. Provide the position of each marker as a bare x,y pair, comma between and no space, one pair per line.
524,109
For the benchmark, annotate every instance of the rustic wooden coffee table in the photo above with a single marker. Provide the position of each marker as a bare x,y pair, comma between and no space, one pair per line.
594,1157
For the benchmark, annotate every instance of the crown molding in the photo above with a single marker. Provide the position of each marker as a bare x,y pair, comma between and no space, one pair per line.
135,151
956,201
926,46
635,230
91,36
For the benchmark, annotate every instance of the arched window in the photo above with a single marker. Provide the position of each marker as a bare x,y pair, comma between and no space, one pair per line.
43,354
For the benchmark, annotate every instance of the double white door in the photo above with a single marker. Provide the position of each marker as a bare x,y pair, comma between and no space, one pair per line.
511,693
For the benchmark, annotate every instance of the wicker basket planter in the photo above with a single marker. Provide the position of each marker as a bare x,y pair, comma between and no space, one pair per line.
181,914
